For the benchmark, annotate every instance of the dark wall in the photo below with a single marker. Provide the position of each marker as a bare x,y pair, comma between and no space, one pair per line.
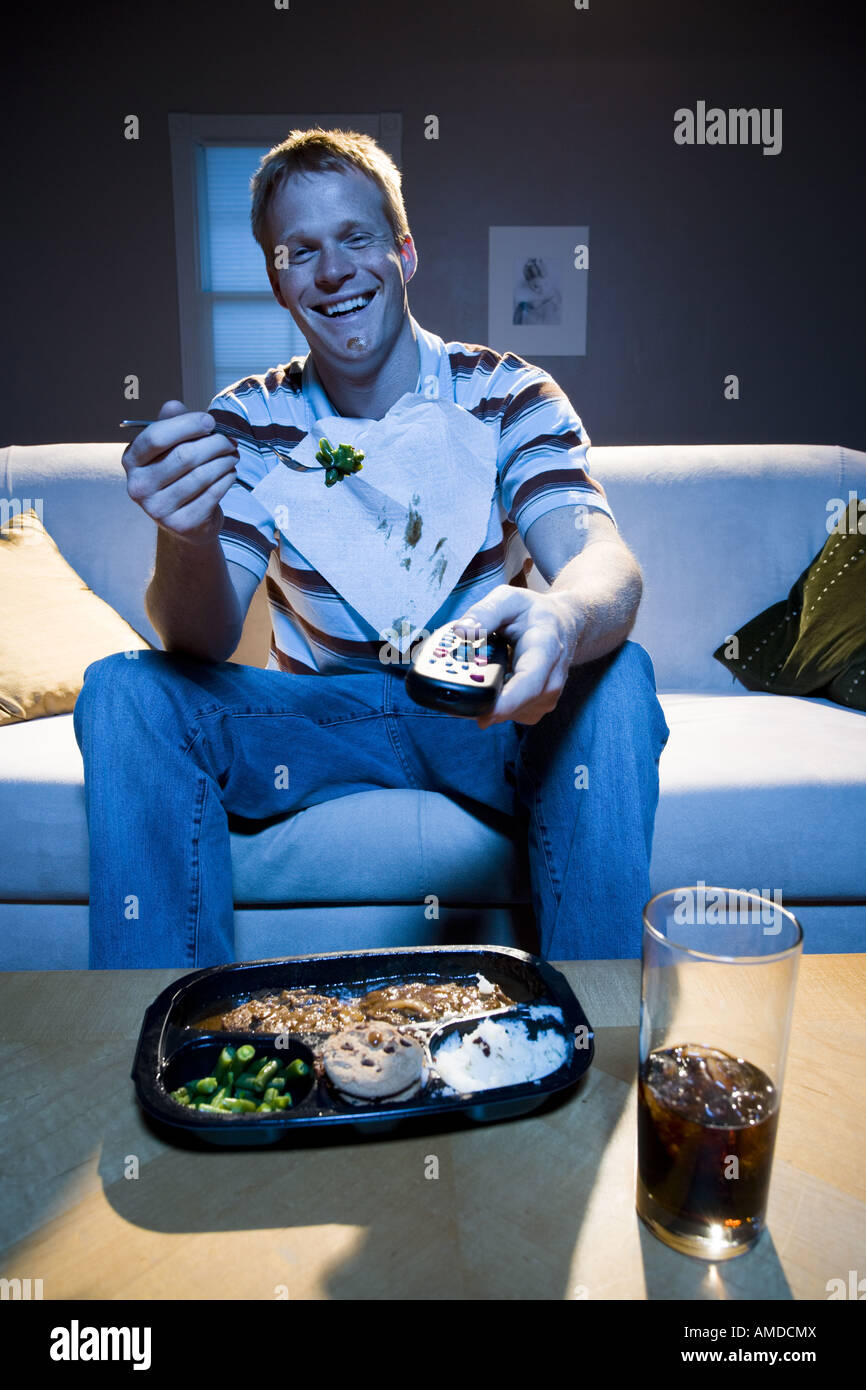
704,261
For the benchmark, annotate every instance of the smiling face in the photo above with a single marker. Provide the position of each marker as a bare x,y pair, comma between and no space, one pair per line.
341,255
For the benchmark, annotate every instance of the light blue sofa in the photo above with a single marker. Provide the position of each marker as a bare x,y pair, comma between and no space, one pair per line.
757,791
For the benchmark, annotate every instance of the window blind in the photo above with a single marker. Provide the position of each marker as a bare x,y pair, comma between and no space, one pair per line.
250,331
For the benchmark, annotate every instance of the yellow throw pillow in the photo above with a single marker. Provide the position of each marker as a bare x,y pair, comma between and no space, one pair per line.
51,625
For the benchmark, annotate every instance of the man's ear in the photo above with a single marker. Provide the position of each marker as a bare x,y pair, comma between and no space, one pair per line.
409,257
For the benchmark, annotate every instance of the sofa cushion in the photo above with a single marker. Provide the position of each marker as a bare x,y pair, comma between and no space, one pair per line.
762,791
376,846
814,641
80,493
720,531
52,626
757,791
42,812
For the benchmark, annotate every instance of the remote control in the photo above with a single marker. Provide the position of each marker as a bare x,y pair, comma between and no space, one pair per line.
458,675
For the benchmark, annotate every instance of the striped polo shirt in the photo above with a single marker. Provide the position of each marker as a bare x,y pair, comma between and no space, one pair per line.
541,465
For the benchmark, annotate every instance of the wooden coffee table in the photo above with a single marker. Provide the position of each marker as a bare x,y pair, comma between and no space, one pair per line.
96,1205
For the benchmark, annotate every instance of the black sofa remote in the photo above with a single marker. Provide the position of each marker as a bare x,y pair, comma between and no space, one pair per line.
458,675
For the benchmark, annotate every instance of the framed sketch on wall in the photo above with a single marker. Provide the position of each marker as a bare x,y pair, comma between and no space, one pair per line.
537,284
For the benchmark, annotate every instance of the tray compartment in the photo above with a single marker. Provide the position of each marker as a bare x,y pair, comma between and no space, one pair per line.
208,993
197,1057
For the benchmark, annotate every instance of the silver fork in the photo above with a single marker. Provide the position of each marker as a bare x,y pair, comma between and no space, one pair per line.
285,458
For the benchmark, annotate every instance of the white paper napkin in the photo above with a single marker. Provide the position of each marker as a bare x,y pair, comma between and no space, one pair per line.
394,538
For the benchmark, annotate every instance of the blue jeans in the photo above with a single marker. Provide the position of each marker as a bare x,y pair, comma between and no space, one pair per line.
171,745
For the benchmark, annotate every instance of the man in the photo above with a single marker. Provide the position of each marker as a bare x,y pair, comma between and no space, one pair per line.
573,742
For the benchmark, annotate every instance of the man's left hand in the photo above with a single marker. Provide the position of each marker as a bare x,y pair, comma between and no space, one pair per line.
543,629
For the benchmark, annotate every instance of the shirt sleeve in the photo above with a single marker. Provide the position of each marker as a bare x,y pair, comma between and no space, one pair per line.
248,534
542,454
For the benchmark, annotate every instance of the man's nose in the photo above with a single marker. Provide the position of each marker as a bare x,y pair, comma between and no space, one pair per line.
334,264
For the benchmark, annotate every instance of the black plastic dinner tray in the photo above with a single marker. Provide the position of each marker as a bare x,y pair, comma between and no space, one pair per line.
171,1050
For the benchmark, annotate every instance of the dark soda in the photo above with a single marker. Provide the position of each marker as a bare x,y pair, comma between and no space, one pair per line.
706,1132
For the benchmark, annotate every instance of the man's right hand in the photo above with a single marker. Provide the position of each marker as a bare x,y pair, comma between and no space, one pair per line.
178,471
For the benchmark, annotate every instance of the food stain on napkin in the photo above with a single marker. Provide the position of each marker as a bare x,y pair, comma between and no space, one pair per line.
412,535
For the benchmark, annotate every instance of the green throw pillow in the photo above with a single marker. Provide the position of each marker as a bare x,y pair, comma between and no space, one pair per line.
814,642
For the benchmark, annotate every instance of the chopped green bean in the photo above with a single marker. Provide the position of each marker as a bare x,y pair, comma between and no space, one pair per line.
236,1106
242,1084
224,1062
264,1076
252,1070
245,1081
242,1057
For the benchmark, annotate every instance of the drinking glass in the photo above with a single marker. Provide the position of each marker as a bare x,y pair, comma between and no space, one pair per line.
719,969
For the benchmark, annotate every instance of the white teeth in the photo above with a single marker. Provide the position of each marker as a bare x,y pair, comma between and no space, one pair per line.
346,304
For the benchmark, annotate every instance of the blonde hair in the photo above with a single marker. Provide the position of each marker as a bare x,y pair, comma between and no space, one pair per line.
316,150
